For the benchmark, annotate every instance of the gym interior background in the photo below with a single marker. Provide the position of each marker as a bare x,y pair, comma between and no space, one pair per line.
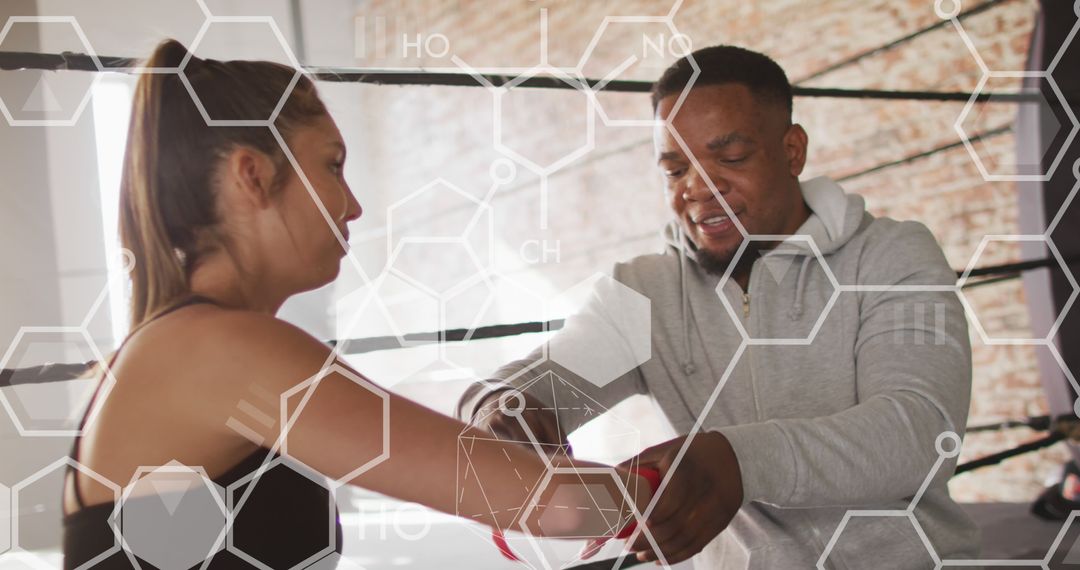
539,186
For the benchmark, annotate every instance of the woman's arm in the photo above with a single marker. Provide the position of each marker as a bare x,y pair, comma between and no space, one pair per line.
431,459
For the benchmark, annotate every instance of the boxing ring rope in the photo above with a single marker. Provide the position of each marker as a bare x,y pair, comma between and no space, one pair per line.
1058,429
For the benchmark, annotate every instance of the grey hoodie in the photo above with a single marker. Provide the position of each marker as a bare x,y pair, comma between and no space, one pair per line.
844,419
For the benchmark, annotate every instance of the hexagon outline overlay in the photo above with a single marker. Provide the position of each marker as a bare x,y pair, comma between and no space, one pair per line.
973,153
12,121
108,381
33,558
824,312
1017,238
170,467
254,476
309,386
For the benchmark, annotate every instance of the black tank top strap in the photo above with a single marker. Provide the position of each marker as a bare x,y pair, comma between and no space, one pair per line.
76,493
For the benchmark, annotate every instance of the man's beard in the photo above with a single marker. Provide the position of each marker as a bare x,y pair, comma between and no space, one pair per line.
713,264
717,264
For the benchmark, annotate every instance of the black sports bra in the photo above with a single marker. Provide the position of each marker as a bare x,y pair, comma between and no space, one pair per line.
288,518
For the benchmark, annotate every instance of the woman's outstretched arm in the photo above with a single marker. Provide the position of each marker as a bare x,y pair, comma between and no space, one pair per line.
432,459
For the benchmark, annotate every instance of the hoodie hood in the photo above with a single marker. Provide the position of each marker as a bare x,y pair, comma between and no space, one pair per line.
835,217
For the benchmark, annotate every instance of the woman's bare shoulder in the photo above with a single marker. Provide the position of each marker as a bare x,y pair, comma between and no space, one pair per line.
210,343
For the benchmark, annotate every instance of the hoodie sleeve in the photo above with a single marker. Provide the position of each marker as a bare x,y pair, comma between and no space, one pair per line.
913,382
596,356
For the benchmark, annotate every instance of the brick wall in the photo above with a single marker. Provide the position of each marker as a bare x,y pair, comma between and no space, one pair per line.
607,205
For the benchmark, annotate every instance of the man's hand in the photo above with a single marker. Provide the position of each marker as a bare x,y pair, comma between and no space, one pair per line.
501,413
702,497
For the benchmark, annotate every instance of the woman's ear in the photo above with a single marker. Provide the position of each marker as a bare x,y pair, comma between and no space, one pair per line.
252,173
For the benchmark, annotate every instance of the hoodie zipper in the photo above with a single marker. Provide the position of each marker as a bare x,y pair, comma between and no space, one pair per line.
746,305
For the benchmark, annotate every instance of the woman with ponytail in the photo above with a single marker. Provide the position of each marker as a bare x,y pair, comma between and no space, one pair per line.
223,232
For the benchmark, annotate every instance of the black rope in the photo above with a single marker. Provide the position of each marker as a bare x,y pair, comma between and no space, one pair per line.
898,42
996,458
81,62
990,281
1010,271
62,372
918,156
373,344
1021,266
1037,423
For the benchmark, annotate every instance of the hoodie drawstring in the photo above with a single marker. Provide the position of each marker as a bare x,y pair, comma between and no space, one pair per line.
800,284
688,364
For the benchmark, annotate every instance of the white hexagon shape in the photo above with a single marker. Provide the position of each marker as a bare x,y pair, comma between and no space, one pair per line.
249,547
848,531
1057,133
970,309
51,409
52,560
172,516
633,47
5,518
384,315
414,258
48,99
608,330
602,519
446,197
555,154
222,32
736,314
308,389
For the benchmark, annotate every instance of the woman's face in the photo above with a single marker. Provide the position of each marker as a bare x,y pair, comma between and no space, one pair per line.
305,251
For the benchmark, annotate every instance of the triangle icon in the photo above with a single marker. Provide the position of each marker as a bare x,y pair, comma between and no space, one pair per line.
1073,557
778,266
171,492
42,99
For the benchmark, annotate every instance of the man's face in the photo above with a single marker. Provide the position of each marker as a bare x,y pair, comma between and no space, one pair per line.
751,154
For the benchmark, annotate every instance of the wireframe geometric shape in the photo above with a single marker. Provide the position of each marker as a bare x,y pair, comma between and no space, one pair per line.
576,403
172,516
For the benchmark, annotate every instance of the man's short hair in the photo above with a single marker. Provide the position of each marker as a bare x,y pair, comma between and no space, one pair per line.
725,64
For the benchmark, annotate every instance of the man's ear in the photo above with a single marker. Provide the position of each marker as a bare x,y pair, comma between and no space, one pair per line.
795,143
252,173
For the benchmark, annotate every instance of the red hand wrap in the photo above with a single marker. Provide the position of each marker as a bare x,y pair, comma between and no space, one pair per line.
650,475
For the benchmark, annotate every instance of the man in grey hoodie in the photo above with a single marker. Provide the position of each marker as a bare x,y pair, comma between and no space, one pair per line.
813,365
